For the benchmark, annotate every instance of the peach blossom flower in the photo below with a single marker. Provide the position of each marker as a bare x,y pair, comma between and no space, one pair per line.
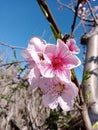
59,93
71,43
58,61
33,55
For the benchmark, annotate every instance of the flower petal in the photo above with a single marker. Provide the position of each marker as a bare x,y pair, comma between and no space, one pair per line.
71,43
46,69
36,44
71,61
49,52
50,101
70,93
45,84
34,56
34,77
64,105
62,48
64,75
25,53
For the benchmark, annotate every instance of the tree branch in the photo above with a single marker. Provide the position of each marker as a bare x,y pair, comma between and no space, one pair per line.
73,10
43,5
90,8
11,46
11,63
74,21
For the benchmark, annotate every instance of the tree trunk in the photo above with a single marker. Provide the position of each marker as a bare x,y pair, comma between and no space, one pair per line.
90,86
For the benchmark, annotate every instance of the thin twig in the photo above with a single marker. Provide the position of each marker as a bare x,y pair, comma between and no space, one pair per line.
92,13
11,46
78,106
66,6
73,10
75,16
11,63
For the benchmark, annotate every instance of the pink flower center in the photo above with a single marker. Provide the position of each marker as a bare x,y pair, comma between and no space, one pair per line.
57,63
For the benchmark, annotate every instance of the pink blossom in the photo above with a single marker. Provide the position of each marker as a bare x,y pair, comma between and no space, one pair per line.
33,55
36,44
58,93
82,9
34,77
35,48
34,74
34,51
58,61
26,54
71,43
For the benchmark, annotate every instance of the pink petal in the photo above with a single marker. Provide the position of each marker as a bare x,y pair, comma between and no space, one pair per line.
46,69
70,93
34,77
62,48
49,52
64,105
50,101
71,43
45,84
34,56
64,75
74,88
25,53
72,61
36,44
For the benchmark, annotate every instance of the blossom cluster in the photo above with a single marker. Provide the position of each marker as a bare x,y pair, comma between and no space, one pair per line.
50,70
83,10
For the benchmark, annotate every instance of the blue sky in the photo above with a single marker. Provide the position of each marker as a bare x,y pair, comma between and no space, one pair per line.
22,19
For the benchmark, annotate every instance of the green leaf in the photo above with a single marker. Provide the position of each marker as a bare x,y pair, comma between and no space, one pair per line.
54,115
42,8
20,70
1,58
1,110
21,85
95,125
12,87
86,76
15,54
66,124
1,61
88,96
6,97
66,116
56,35
44,11
54,126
